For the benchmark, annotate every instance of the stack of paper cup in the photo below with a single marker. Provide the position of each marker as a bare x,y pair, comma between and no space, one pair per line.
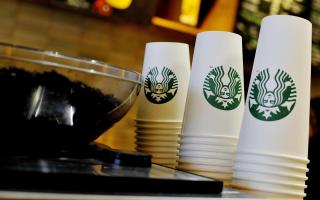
272,151
214,108
166,72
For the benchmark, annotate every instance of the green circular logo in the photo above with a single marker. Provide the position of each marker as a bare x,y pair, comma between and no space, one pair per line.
223,90
161,85
272,95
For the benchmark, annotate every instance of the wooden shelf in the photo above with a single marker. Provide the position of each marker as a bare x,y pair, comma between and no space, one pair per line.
221,17
174,25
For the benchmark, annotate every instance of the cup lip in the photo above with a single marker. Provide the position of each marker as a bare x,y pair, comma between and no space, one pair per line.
284,156
201,152
184,134
270,164
270,17
208,146
208,141
167,43
109,71
267,190
220,33
200,158
209,151
268,173
284,183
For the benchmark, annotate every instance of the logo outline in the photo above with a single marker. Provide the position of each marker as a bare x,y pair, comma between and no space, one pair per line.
220,93
160,85
272,102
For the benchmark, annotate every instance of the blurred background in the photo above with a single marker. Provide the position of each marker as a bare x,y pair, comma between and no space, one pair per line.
116,31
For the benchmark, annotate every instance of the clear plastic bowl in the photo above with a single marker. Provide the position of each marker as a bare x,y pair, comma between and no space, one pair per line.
51,102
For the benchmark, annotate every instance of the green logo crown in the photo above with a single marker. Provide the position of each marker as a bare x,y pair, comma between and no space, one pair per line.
221,91
161,85
272,97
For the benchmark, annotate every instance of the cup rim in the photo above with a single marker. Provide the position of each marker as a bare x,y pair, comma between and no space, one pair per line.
92,66
304,160
182,44
274,182
208,143
271,164
269,173
197,153
219,33
270,17
215,148
267,190
183,134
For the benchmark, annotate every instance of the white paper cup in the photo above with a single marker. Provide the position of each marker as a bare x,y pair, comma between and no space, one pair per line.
276,118
166,72
215,96
206,154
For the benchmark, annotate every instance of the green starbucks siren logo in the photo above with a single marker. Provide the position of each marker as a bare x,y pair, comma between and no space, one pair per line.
272,97
223,91
161,85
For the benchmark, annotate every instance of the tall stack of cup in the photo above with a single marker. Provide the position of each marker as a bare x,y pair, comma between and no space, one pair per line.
166,72
272,151
214,107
